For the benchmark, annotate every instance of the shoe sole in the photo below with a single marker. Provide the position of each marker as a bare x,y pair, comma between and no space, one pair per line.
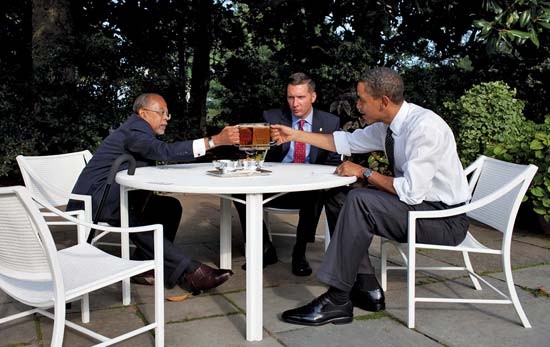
335,321
369,307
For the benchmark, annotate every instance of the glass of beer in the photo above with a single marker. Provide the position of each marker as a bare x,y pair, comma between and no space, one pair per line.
254,136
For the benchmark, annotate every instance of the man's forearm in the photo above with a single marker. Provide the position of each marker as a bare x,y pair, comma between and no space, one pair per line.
324,141
382,182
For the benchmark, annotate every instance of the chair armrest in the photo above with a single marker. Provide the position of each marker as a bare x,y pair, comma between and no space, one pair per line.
76,221
414,215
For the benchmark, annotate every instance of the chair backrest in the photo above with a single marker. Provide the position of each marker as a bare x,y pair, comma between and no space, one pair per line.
52,177
492,175
26,245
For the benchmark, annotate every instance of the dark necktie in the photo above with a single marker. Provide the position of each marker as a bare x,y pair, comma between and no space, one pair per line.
389,149
300,147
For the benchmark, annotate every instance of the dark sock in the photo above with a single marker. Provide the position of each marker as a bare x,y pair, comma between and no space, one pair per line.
338,296
299,249
193,265
368,281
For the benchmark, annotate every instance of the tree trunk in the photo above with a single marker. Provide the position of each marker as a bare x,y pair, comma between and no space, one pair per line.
200,78
52,41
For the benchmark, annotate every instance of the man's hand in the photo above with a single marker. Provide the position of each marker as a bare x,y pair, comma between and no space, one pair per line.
228,136
282,133
349,168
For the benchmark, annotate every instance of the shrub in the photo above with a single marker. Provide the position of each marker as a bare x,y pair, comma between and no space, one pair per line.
488,113
532,147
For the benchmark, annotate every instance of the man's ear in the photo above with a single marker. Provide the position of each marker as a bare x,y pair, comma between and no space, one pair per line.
384,102
313,97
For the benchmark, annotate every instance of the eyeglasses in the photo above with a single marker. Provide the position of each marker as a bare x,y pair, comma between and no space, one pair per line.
160,113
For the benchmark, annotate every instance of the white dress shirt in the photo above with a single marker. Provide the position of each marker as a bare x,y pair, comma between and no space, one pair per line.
427,167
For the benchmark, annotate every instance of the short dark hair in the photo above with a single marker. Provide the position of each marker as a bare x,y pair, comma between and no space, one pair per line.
143,100
384,81
298,78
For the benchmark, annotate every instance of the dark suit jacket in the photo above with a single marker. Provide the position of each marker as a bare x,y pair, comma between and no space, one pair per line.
136,137
322,122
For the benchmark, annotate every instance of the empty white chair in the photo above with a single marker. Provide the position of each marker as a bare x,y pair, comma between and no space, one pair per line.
52,178
497,190
33,272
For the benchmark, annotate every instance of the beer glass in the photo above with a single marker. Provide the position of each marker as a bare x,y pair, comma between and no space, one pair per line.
254,136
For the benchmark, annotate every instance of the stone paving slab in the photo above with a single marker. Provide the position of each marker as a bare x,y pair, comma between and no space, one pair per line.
470,324
532,277
372,332
19,331
229,331
111,323
204,306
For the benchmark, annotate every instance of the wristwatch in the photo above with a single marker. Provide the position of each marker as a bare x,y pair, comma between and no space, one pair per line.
367,173
211,143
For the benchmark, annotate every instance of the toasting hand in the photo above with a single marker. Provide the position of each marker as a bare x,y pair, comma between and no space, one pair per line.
282,133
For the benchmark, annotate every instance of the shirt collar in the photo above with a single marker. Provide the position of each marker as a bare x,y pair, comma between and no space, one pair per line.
399,120
308,119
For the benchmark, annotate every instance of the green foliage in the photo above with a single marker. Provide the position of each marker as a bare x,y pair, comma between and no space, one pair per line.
532,147
513,24
487,113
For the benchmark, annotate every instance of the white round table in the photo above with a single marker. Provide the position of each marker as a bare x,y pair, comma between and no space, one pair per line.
193,178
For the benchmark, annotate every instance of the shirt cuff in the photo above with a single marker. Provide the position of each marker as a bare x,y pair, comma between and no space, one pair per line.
199,149
341,142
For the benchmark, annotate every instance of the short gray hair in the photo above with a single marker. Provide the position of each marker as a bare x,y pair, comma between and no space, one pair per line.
143,101
384,81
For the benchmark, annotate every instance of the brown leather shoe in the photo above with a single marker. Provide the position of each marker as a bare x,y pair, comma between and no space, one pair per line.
205,278
146,278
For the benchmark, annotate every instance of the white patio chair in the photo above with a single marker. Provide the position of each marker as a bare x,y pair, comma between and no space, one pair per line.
497,190
274,210
52,178
33,272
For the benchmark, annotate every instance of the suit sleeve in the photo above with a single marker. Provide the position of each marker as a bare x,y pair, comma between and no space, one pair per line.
143,143
333,158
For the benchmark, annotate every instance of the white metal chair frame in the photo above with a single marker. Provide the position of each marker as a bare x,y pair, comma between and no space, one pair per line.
274,210
33,272
497,190
52,178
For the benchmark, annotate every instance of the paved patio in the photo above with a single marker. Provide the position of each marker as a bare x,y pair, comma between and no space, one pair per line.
217,318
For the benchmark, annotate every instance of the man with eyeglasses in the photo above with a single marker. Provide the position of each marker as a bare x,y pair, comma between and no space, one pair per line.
137,136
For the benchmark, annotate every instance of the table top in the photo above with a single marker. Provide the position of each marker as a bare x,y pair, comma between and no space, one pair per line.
192,178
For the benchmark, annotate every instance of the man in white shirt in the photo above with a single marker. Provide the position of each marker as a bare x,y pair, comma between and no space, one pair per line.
428,175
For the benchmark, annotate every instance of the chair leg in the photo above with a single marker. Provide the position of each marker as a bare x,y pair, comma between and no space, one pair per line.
470,268
58,324
411,264
85,308
327,236
384,264
512,290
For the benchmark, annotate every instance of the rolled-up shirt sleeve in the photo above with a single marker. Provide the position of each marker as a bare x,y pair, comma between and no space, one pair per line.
360,141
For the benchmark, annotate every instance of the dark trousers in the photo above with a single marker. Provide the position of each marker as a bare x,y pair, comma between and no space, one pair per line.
310,204
148,209
368,212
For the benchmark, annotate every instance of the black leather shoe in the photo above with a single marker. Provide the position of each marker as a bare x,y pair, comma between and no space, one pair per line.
319,312
204,278
270,256
146,278
368,300
300,266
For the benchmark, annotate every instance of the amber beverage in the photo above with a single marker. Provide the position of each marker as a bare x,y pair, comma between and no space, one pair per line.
254,136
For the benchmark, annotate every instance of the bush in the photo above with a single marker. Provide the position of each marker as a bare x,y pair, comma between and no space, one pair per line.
488,113
532,147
